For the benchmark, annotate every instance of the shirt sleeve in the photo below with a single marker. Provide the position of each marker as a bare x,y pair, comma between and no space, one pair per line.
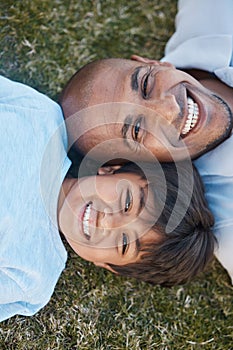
10,89
15,300
24,97
203,38
11,295
9,310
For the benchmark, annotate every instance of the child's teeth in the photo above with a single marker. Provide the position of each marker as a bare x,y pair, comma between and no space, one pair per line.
86,218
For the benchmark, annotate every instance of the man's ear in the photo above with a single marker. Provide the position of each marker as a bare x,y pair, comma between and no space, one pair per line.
150,61
108,169
144,59
105,266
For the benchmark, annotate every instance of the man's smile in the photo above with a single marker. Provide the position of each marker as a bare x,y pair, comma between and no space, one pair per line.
183,109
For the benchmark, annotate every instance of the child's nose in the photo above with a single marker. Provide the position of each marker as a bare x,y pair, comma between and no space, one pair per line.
106,220
109,220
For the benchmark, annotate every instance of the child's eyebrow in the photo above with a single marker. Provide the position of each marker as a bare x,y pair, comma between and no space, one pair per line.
138,246
141,200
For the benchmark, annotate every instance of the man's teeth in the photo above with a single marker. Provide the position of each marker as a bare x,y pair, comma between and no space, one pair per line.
193,114
86,218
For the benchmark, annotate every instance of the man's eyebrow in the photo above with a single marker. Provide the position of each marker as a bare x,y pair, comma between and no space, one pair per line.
127,122
124,130
134,79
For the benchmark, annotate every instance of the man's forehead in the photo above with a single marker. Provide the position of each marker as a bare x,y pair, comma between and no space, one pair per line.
112,83
109,115
114,129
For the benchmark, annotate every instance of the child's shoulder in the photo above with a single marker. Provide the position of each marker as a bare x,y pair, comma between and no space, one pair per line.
14,93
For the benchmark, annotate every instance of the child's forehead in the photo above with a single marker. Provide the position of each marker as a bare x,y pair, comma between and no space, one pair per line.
135,177
149,237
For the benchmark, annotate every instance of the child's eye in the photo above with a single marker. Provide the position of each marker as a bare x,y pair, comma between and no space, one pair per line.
124,243
128,201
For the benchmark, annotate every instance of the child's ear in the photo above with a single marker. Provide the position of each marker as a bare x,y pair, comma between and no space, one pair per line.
105,266
108,169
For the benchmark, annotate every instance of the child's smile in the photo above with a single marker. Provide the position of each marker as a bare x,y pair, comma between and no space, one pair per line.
103,217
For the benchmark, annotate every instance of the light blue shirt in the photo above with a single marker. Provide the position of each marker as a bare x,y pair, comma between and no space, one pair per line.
32,255
204,40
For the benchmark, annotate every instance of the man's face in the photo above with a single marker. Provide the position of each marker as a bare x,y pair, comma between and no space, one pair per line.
140,108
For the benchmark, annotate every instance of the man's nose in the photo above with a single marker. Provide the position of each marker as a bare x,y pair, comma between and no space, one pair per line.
163,100
164,110
163,82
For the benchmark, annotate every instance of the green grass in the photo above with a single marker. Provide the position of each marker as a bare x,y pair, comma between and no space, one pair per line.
42,43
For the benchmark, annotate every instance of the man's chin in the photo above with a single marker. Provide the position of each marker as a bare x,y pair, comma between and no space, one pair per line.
226,132
213,144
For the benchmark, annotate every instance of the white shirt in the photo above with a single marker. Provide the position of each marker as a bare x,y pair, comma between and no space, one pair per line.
204,40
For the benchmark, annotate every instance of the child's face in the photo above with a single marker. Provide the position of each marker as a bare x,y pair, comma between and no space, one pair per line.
103,217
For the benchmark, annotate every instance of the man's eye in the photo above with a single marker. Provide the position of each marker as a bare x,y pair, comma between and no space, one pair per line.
124,243
145,86
136,130
128,201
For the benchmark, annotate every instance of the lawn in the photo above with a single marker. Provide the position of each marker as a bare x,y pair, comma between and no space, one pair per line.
42,43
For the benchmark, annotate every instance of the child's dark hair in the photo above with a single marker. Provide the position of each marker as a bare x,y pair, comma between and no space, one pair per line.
181,254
